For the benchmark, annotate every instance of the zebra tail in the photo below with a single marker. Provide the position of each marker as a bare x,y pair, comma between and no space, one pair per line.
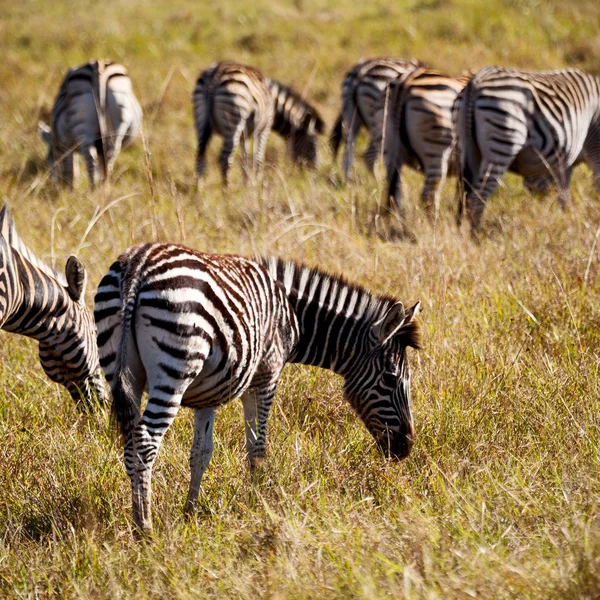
100,92
125,410
202,110
337,134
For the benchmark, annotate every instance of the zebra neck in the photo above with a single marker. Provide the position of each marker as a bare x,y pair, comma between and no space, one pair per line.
329,338
45,310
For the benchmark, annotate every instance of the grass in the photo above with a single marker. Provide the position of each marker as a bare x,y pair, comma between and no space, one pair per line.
500,496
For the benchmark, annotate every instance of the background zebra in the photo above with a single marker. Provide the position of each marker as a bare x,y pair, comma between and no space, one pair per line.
198,330
42,304
95,113
237,102
419,131
537,124
362,89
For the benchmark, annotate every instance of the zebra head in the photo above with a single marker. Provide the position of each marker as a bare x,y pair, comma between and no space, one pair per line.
378,384
304,140
71,357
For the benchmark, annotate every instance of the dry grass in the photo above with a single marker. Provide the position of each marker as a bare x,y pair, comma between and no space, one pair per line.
500,496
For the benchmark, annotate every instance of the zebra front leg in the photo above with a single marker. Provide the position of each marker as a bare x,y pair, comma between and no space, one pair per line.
257,405
260,141
202,451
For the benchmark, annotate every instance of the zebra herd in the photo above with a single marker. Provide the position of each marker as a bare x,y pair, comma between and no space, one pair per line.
476,125
198,330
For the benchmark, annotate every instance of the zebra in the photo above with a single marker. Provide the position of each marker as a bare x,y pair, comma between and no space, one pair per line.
419,131
237,102
537,124
362,88
200,329
95,113
45,305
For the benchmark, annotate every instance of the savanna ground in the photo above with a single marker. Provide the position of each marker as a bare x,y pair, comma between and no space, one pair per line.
500,496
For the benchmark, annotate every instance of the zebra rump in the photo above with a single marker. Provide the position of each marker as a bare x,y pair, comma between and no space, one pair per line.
536,124
95,113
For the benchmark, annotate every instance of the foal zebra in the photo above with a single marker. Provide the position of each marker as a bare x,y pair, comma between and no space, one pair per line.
363,86
199,330
419,130
40,303
237,102
95,113
537,124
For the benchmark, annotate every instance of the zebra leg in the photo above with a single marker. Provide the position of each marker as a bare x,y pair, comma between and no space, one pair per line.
257,405
394,199
244,155
67,169
435,175
230,143
90,155
564,186
480,191
201,153
115,150
260,140
371,154
143,444
352,126
202,451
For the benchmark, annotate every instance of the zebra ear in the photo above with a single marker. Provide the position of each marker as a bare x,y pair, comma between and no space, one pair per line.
397,320
45,132
76,278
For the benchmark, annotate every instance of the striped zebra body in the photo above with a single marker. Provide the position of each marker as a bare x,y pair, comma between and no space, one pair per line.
298,122
362,91
419,130
95,113
238,102
537,124
199,330
40,303
234,101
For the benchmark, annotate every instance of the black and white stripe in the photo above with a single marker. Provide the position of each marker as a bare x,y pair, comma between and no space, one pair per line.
40,303
362,89
238,102
95,113
537,124
298,122
199,330
419,130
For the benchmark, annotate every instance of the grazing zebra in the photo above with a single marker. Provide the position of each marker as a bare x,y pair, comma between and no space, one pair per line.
362,88
419,130
199,330
40,303
95,113
237,102
537,124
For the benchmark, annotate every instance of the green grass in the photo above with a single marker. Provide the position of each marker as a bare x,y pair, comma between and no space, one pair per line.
500,496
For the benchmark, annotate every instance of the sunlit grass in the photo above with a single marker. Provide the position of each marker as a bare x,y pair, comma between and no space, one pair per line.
500,495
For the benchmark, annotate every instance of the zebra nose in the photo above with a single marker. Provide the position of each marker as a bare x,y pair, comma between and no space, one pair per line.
401,445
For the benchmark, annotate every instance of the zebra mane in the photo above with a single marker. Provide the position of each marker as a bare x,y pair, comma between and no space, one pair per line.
334,290
8,231
296,112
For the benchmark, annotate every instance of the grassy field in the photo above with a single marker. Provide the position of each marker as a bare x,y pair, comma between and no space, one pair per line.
501,495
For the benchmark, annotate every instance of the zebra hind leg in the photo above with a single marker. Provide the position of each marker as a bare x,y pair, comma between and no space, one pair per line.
230,143
202,451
